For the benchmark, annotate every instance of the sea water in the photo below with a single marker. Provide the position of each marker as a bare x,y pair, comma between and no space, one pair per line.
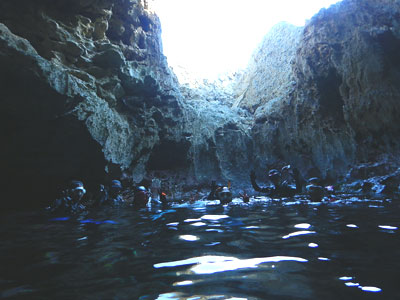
266,249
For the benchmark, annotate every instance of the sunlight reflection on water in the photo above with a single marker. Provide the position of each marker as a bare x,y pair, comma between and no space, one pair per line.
297,233
302,226
215,264
214,217
189,238
266,251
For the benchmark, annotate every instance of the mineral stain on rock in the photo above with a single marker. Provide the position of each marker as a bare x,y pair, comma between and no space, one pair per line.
87,92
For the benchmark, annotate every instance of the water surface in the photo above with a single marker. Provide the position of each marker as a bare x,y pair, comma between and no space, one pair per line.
262,250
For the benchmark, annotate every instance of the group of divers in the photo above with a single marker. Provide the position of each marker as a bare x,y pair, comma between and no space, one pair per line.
285,183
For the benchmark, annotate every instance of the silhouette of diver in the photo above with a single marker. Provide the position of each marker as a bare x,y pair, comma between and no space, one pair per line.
280,188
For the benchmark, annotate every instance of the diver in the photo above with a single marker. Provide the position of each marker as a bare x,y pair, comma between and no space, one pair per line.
315,190
163,199
115,192
141,197
219,192
102,196
215,189
280,188
224,195
71,198
245,197
109,195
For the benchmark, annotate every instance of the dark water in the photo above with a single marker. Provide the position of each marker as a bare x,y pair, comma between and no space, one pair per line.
265,250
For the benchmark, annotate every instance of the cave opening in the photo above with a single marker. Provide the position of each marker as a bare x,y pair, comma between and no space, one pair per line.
42,147
169,155
233,28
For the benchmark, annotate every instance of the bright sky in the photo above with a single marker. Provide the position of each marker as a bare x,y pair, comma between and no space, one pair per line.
208,37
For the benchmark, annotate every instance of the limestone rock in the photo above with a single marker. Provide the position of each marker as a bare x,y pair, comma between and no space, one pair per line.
269,73
87,93
343,106
72,116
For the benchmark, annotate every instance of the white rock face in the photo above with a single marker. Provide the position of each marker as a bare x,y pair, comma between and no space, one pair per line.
269,74
219,135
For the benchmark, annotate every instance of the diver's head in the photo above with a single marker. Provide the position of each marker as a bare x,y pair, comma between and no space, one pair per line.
225,195
314,181
141,196
76,190
115,187
275,176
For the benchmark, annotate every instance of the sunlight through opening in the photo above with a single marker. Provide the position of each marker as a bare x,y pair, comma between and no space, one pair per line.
208,38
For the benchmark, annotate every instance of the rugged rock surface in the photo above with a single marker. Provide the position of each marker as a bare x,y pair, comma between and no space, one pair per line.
340,104
221,146
86,91
269,74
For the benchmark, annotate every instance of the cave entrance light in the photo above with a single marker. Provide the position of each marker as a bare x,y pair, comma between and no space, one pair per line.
209,38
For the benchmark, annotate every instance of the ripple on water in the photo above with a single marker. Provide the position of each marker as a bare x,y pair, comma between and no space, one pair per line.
324,258
189,238
214,264
173,224
372,289
388,227
191,220
198,224
345,278
302,225
214,230
351,226
297,233
214,217
186,282
352,284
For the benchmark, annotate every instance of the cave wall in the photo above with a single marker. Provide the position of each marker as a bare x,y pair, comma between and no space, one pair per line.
344,103
85,92
269,72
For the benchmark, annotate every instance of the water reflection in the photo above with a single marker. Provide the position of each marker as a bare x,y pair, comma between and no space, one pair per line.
198,224
186,282
215,264
370,289
188,237
352,284
214,217
297,233
351,226
388,227
261,250
302,226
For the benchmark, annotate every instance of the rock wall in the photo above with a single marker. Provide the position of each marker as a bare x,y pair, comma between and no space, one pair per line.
340,102
220,141
269,73
86,92
219,134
